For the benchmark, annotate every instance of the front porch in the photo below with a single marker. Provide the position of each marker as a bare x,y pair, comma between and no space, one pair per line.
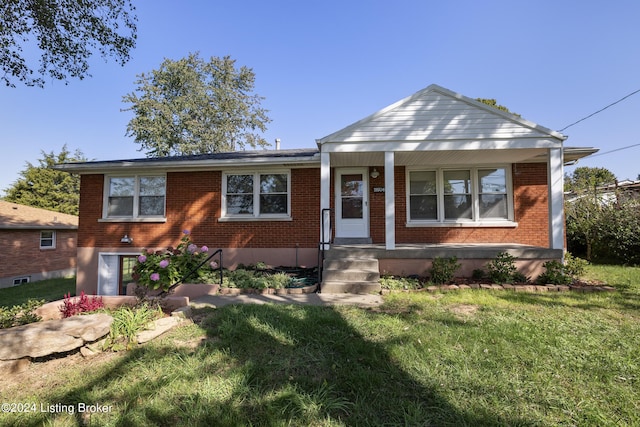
356,268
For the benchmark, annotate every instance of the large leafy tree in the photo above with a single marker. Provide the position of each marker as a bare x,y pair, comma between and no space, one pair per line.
65,33
587,206
192,106
43,187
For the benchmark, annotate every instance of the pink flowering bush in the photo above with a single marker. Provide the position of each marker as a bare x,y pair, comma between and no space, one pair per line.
161,269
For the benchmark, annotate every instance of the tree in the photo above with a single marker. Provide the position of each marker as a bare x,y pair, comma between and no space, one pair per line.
44,187
66,33
588,179
586,209
191,106
493,103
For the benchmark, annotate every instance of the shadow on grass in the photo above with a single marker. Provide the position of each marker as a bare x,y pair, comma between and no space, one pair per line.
272,365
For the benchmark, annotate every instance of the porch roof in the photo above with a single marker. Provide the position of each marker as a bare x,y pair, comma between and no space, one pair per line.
436,118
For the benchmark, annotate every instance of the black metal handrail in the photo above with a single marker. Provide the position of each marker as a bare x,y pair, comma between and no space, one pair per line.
323,242
190,273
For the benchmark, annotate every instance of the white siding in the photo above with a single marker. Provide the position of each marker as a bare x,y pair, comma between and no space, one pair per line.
436,114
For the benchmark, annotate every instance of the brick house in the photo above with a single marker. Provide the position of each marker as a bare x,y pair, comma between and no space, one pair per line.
36,244
435,174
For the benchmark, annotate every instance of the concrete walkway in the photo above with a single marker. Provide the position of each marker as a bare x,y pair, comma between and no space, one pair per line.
310,299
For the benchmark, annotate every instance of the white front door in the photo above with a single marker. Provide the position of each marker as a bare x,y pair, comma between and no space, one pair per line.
352,203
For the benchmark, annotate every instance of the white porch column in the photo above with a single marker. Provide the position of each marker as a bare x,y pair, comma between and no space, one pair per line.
556,199
389,201
325,196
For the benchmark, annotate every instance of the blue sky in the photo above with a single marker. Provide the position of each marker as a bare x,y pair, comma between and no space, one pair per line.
322,65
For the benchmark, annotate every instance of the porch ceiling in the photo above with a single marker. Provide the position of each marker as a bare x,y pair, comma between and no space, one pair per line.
445,157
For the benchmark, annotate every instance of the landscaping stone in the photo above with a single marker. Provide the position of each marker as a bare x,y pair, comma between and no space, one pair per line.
10,367
159,327
52,336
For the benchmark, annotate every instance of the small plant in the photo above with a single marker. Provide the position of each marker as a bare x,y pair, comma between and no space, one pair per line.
554,274
83,304
21,314
279,280
241,278
399,283
443,269
574,266
502,268
127,323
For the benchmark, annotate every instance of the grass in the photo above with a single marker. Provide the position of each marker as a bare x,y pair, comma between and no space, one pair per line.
48,290
464,358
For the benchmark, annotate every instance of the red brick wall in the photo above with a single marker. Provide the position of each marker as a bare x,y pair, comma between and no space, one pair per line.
22,255
530,210
194,203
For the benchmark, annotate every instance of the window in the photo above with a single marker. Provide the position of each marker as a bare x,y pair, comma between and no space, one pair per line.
256,195
457,195
450,195
423,198
493,193
21,280
135,196
47,239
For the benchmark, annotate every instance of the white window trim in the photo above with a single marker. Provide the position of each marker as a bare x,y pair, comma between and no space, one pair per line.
53,240
136,200
475,221
255,216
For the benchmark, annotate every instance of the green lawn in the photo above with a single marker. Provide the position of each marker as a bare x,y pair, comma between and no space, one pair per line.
48,290
463,358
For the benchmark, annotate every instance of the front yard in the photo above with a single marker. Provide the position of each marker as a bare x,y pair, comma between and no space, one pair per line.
469,357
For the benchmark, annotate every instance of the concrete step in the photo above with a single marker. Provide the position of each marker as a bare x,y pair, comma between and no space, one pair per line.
352,241
351,263
337,287
351,275
347,252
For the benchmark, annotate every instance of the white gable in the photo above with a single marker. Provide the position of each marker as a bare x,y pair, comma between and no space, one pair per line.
437,114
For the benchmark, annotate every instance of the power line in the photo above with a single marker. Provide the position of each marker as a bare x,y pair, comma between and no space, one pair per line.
613,151
600,110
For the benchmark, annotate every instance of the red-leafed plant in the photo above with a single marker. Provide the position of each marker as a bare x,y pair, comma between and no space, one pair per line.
82,304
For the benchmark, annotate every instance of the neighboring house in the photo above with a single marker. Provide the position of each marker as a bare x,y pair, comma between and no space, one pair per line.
436,174
36,244
618,192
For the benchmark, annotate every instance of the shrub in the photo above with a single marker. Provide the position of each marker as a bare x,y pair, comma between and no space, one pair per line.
443,269
162,269
21,314
83,304
574,266
554,274
279,280
502,268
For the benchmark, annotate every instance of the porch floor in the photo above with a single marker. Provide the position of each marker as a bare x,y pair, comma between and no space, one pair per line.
432,250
